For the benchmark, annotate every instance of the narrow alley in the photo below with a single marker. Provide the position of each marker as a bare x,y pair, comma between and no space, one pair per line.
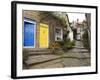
78,56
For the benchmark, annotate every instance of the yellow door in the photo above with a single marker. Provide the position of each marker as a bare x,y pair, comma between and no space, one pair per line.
43,35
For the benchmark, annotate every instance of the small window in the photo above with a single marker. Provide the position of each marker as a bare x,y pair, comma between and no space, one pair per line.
58,34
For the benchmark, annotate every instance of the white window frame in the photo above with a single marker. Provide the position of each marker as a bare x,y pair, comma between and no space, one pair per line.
61,36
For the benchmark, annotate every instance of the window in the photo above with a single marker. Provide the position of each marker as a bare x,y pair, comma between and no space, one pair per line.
58,34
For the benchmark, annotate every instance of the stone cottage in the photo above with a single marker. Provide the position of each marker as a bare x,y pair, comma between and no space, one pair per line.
40,28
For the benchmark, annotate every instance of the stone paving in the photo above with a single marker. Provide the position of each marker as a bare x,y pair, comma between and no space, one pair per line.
76,57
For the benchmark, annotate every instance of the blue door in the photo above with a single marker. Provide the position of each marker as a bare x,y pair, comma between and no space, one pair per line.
29,37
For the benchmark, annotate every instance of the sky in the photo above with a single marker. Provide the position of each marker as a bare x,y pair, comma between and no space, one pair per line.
75,16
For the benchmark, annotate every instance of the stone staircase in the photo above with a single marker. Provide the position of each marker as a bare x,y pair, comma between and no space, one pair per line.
44,58
39,56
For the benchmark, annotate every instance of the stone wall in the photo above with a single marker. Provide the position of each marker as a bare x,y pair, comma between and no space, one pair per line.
43,17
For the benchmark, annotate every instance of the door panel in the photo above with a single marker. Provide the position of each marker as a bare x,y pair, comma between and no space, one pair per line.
43,36
28,34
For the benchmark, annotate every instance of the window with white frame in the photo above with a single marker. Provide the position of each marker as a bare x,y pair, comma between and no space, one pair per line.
58,34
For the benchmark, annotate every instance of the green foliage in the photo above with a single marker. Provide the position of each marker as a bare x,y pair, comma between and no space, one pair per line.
46,14
85,40
75,32
65,35
67,44
61,43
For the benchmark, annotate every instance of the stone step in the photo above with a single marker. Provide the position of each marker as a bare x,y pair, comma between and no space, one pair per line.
50,64
37,51
77,55
77,50
79,47
73,62
40,58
